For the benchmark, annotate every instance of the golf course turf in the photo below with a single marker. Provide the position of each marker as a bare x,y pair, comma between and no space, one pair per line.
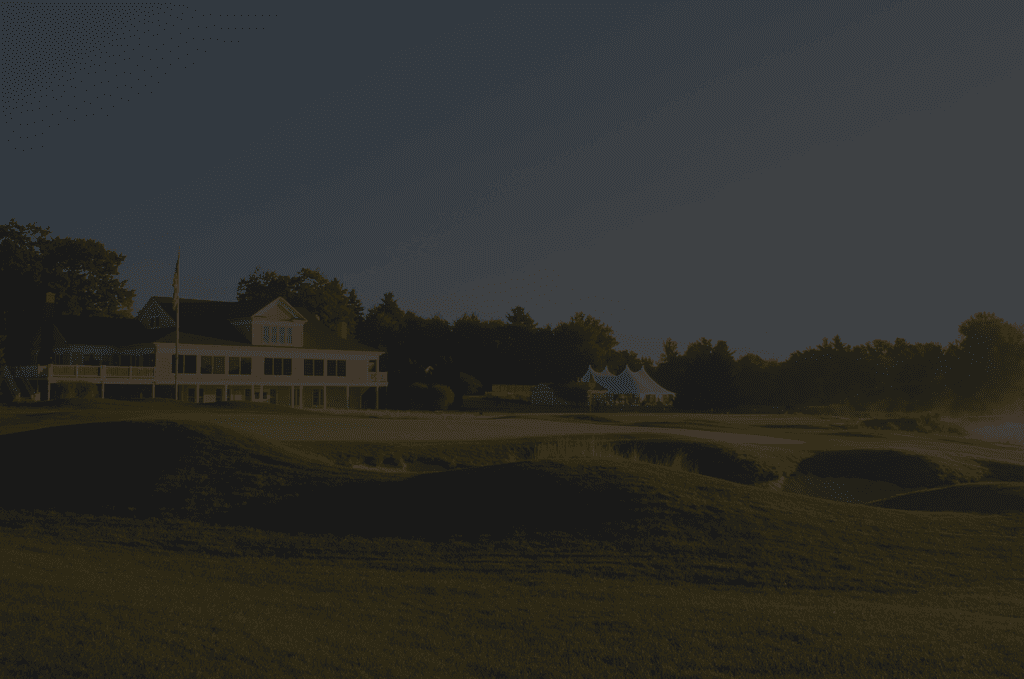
145,540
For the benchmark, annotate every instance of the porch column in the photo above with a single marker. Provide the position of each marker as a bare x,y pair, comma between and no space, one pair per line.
376,398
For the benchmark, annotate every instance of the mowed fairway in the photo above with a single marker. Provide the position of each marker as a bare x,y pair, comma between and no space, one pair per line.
172,540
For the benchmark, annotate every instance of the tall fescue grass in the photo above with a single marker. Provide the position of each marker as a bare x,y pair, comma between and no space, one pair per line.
565,448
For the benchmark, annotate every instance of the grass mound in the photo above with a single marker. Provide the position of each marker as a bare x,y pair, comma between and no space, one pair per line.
716,530
194,471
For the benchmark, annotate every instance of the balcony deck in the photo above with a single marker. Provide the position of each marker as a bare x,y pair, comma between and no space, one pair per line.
126,374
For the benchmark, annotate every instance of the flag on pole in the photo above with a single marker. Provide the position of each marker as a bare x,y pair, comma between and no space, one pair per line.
176,280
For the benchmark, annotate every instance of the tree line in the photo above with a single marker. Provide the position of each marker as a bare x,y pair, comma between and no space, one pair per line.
982,369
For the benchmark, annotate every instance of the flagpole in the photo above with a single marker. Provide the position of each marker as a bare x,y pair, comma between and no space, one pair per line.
177,327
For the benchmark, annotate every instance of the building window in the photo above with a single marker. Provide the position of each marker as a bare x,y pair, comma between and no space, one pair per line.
341,368
233,365
246,366
332,368
149,360
186,364
273,335
277,366
287,366
206,365
266,334
268,366
313,367
289,335
373,366
218,365
248,394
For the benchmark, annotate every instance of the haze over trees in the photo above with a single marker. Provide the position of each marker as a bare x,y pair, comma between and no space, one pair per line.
981,371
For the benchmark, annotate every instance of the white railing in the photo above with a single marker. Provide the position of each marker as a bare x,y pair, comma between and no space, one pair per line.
98,371
120,372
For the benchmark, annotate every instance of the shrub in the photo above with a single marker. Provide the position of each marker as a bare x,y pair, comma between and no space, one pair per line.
439,397
572,392
417,399
471,384
78,390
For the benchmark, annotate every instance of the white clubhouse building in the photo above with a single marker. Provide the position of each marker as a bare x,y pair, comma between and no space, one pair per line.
235,351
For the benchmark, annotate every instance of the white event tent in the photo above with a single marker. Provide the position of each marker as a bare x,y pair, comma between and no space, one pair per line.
627,384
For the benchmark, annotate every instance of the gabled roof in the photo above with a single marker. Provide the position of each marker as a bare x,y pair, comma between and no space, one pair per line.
207,322
202,322
593,373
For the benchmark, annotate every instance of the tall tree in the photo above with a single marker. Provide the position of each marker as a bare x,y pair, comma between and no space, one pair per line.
521,318
707,378
987,365
670,351
81,272
588,340
757,382
384,325
331,302
618,360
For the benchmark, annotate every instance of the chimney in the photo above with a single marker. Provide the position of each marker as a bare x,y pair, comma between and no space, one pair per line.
344,330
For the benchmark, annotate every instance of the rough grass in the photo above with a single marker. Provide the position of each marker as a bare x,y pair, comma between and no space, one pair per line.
208,553
925,423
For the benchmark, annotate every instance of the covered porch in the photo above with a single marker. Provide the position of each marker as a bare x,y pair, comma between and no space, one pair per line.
42,379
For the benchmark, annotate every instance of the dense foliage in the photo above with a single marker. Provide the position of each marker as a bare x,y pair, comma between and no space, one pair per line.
982,369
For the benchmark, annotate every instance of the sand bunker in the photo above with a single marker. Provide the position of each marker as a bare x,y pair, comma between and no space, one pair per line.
854,491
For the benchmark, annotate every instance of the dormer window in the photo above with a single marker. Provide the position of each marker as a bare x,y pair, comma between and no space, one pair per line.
277,335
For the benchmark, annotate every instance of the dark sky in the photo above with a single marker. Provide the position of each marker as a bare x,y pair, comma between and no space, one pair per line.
767,173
